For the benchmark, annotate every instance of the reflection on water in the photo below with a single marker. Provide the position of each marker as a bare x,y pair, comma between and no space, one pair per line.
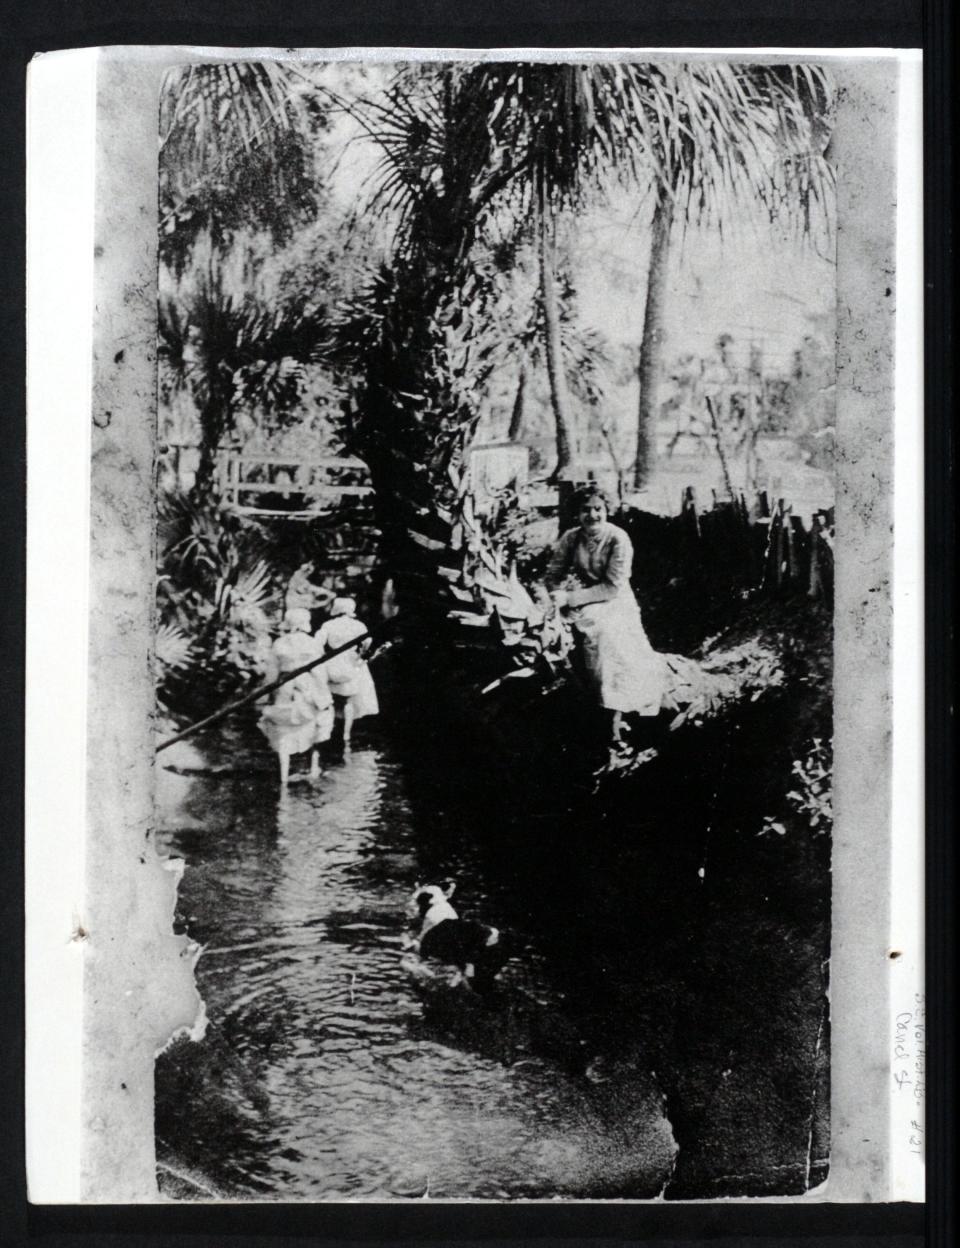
323,1073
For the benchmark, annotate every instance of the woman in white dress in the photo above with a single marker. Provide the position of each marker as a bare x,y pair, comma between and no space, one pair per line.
589,575
301,716
349,674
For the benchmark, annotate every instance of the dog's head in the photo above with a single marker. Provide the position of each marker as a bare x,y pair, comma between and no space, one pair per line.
425,896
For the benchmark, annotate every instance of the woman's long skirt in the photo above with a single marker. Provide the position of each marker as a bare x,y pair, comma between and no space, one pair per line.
625,670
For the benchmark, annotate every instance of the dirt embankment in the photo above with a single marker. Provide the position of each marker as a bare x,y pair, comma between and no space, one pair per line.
682,906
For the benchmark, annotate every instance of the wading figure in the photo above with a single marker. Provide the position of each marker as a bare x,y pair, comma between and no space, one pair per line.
301,716
589,576
349,674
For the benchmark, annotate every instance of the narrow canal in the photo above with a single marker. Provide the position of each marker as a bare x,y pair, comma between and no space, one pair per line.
324,1072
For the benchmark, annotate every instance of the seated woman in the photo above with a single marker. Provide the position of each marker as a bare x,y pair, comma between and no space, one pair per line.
589,575
301,716
350,681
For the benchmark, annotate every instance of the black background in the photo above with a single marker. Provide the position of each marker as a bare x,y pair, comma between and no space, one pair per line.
27,28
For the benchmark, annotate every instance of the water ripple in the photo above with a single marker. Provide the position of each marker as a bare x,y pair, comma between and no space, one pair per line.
323,1074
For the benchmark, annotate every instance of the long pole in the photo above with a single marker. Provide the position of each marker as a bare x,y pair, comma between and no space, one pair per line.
256,694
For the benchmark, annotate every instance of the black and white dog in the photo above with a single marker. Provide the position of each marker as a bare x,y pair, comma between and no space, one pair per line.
479,952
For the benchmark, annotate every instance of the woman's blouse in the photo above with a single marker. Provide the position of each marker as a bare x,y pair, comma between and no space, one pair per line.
601,563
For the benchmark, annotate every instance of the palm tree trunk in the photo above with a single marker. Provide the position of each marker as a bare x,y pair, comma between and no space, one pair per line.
559,398
516,416
654,334
214,423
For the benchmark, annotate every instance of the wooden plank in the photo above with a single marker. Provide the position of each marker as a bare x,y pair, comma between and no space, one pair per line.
354,465
308,491
266,513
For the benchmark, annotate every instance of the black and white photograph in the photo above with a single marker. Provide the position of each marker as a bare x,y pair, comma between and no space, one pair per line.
497,440
479,507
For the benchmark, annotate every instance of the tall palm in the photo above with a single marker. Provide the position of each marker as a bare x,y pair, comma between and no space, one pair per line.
470,154
566,122
459,141
581,352
729,141
553,348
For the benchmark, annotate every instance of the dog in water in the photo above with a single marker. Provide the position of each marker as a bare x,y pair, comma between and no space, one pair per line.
477,951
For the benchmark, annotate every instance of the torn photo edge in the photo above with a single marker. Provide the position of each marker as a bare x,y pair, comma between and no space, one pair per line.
99,909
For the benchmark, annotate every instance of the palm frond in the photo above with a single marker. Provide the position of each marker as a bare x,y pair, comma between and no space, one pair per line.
173,648
239,105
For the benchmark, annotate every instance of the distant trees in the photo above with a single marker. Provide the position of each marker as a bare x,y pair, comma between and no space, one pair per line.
727,141
725,403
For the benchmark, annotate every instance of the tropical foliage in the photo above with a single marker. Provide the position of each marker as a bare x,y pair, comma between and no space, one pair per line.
811,800
234,348
217,592
248,256
235,153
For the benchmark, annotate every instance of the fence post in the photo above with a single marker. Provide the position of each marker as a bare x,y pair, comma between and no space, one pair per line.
772,553
781,540
756,547
790,522
815,581
688,509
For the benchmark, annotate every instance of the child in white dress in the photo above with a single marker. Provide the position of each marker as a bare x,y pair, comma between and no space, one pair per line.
301,716
349,674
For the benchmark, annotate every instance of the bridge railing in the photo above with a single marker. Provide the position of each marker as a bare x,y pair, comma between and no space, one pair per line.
272,485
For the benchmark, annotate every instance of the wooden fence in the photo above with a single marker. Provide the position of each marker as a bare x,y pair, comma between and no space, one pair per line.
752,546
770,547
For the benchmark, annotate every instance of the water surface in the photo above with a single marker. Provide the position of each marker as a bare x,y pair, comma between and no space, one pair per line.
325,1072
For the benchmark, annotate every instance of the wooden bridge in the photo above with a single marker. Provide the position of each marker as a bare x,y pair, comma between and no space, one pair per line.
290,489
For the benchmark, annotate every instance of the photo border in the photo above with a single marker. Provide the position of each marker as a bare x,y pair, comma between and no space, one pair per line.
599,1220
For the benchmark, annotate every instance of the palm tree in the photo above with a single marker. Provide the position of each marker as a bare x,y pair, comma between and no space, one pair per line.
553,350
237,159
470,154
729,141
577,354
232,350
234,151
528,141
654,334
